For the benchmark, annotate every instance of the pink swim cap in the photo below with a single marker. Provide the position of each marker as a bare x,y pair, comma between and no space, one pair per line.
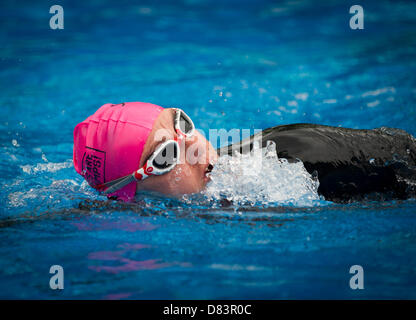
109,144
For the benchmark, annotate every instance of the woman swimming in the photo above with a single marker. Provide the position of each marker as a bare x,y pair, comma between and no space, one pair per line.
124,148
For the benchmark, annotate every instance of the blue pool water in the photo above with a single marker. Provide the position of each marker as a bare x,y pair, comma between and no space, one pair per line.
229,64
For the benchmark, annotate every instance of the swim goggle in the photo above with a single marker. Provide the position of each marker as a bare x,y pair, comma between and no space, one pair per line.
163,159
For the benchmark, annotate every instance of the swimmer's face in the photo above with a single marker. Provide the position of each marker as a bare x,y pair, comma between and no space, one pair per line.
197,157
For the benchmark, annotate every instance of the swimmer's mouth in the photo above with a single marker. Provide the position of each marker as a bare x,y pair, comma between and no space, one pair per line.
208,170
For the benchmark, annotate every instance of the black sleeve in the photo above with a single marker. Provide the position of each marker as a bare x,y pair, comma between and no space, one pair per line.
349,163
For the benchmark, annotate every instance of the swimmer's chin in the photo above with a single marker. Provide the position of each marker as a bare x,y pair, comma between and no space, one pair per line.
206,179
156,194
176,194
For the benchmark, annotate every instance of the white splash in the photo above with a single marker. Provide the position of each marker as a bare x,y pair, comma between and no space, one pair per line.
46,167
57,192
260,177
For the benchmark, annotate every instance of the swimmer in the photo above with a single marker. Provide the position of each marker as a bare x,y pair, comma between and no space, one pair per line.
130,147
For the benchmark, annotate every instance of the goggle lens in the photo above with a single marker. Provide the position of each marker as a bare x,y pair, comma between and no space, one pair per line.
184,123
167,157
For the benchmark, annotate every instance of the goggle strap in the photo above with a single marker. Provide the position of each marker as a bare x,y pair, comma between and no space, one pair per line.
117,184
108,184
